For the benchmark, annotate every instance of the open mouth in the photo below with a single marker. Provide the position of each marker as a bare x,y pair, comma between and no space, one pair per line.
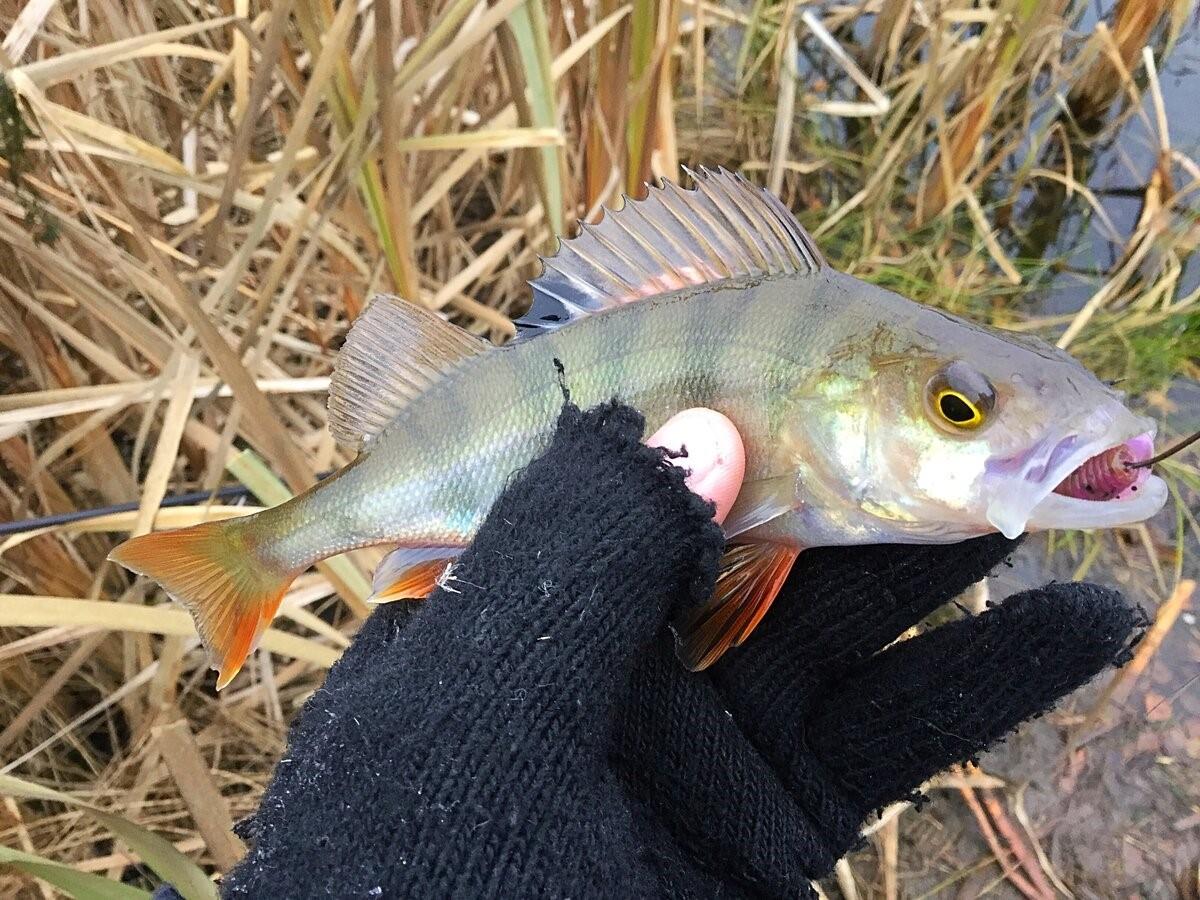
1113,474
1077,484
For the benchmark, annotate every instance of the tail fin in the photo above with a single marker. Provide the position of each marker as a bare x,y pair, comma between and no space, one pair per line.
214,571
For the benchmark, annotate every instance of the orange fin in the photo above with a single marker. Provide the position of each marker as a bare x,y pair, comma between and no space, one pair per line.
751,576
410,572
212,570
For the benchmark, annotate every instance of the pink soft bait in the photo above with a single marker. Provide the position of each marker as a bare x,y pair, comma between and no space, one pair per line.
1109,475
1117,472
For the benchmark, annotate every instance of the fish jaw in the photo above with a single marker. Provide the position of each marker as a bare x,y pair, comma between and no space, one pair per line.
1024,496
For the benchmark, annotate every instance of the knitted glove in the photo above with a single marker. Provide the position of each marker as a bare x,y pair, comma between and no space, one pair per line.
528,731
466,754
807,728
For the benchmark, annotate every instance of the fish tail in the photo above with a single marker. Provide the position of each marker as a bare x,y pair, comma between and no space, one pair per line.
218,572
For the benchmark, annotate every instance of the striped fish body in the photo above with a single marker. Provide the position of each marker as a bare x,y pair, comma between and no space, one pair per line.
741,348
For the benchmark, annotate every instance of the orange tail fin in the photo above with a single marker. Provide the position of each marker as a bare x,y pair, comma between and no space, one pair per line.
213,571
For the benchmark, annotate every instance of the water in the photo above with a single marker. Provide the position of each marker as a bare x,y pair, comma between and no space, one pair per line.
1123,168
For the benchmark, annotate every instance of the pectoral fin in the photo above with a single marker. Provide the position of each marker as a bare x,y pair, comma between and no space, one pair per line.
759,502
751,576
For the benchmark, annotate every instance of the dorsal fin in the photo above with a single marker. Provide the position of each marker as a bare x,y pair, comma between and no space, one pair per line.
394,351
724,228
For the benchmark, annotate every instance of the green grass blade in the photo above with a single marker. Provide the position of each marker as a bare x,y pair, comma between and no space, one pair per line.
440,33
156,852
530,30
644,25
81,885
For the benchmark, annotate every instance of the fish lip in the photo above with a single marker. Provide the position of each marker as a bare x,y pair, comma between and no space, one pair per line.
1014,511
1059,511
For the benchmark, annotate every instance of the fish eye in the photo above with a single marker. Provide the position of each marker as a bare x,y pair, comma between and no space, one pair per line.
960,398
957,409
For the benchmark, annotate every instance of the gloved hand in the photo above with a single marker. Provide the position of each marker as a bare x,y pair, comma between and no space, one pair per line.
528,730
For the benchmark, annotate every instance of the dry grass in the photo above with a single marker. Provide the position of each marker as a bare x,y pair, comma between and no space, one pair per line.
197,200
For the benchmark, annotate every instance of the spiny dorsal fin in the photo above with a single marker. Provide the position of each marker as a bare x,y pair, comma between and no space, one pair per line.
672,238
394,351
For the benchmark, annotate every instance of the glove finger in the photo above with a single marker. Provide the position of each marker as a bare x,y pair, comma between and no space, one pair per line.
701,786
944,697
840,606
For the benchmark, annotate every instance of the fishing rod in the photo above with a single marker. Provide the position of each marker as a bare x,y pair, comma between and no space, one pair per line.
229,492
239,492
1171,451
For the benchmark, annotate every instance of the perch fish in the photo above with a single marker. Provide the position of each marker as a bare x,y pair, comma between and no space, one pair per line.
866,417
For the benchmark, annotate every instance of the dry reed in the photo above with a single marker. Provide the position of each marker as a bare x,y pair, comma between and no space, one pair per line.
196,200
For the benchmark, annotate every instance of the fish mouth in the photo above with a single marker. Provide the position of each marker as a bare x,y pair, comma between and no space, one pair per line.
1076,483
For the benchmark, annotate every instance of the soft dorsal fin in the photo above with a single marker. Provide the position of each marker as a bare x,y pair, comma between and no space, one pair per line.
724,228
394,351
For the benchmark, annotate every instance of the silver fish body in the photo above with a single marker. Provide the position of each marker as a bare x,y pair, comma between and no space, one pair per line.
866,417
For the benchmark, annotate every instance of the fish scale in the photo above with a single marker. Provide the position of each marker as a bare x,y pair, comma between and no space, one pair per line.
717,298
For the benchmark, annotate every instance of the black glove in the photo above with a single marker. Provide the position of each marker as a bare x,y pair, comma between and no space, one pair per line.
529,731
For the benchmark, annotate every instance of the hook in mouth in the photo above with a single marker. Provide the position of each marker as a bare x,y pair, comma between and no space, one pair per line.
1072,483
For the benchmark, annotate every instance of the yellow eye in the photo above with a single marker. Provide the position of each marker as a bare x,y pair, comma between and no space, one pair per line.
959,398
958,410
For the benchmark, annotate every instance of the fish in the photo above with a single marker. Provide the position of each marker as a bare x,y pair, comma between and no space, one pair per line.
866,417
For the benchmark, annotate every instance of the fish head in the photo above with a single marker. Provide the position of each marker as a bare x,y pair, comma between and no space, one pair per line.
967,429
